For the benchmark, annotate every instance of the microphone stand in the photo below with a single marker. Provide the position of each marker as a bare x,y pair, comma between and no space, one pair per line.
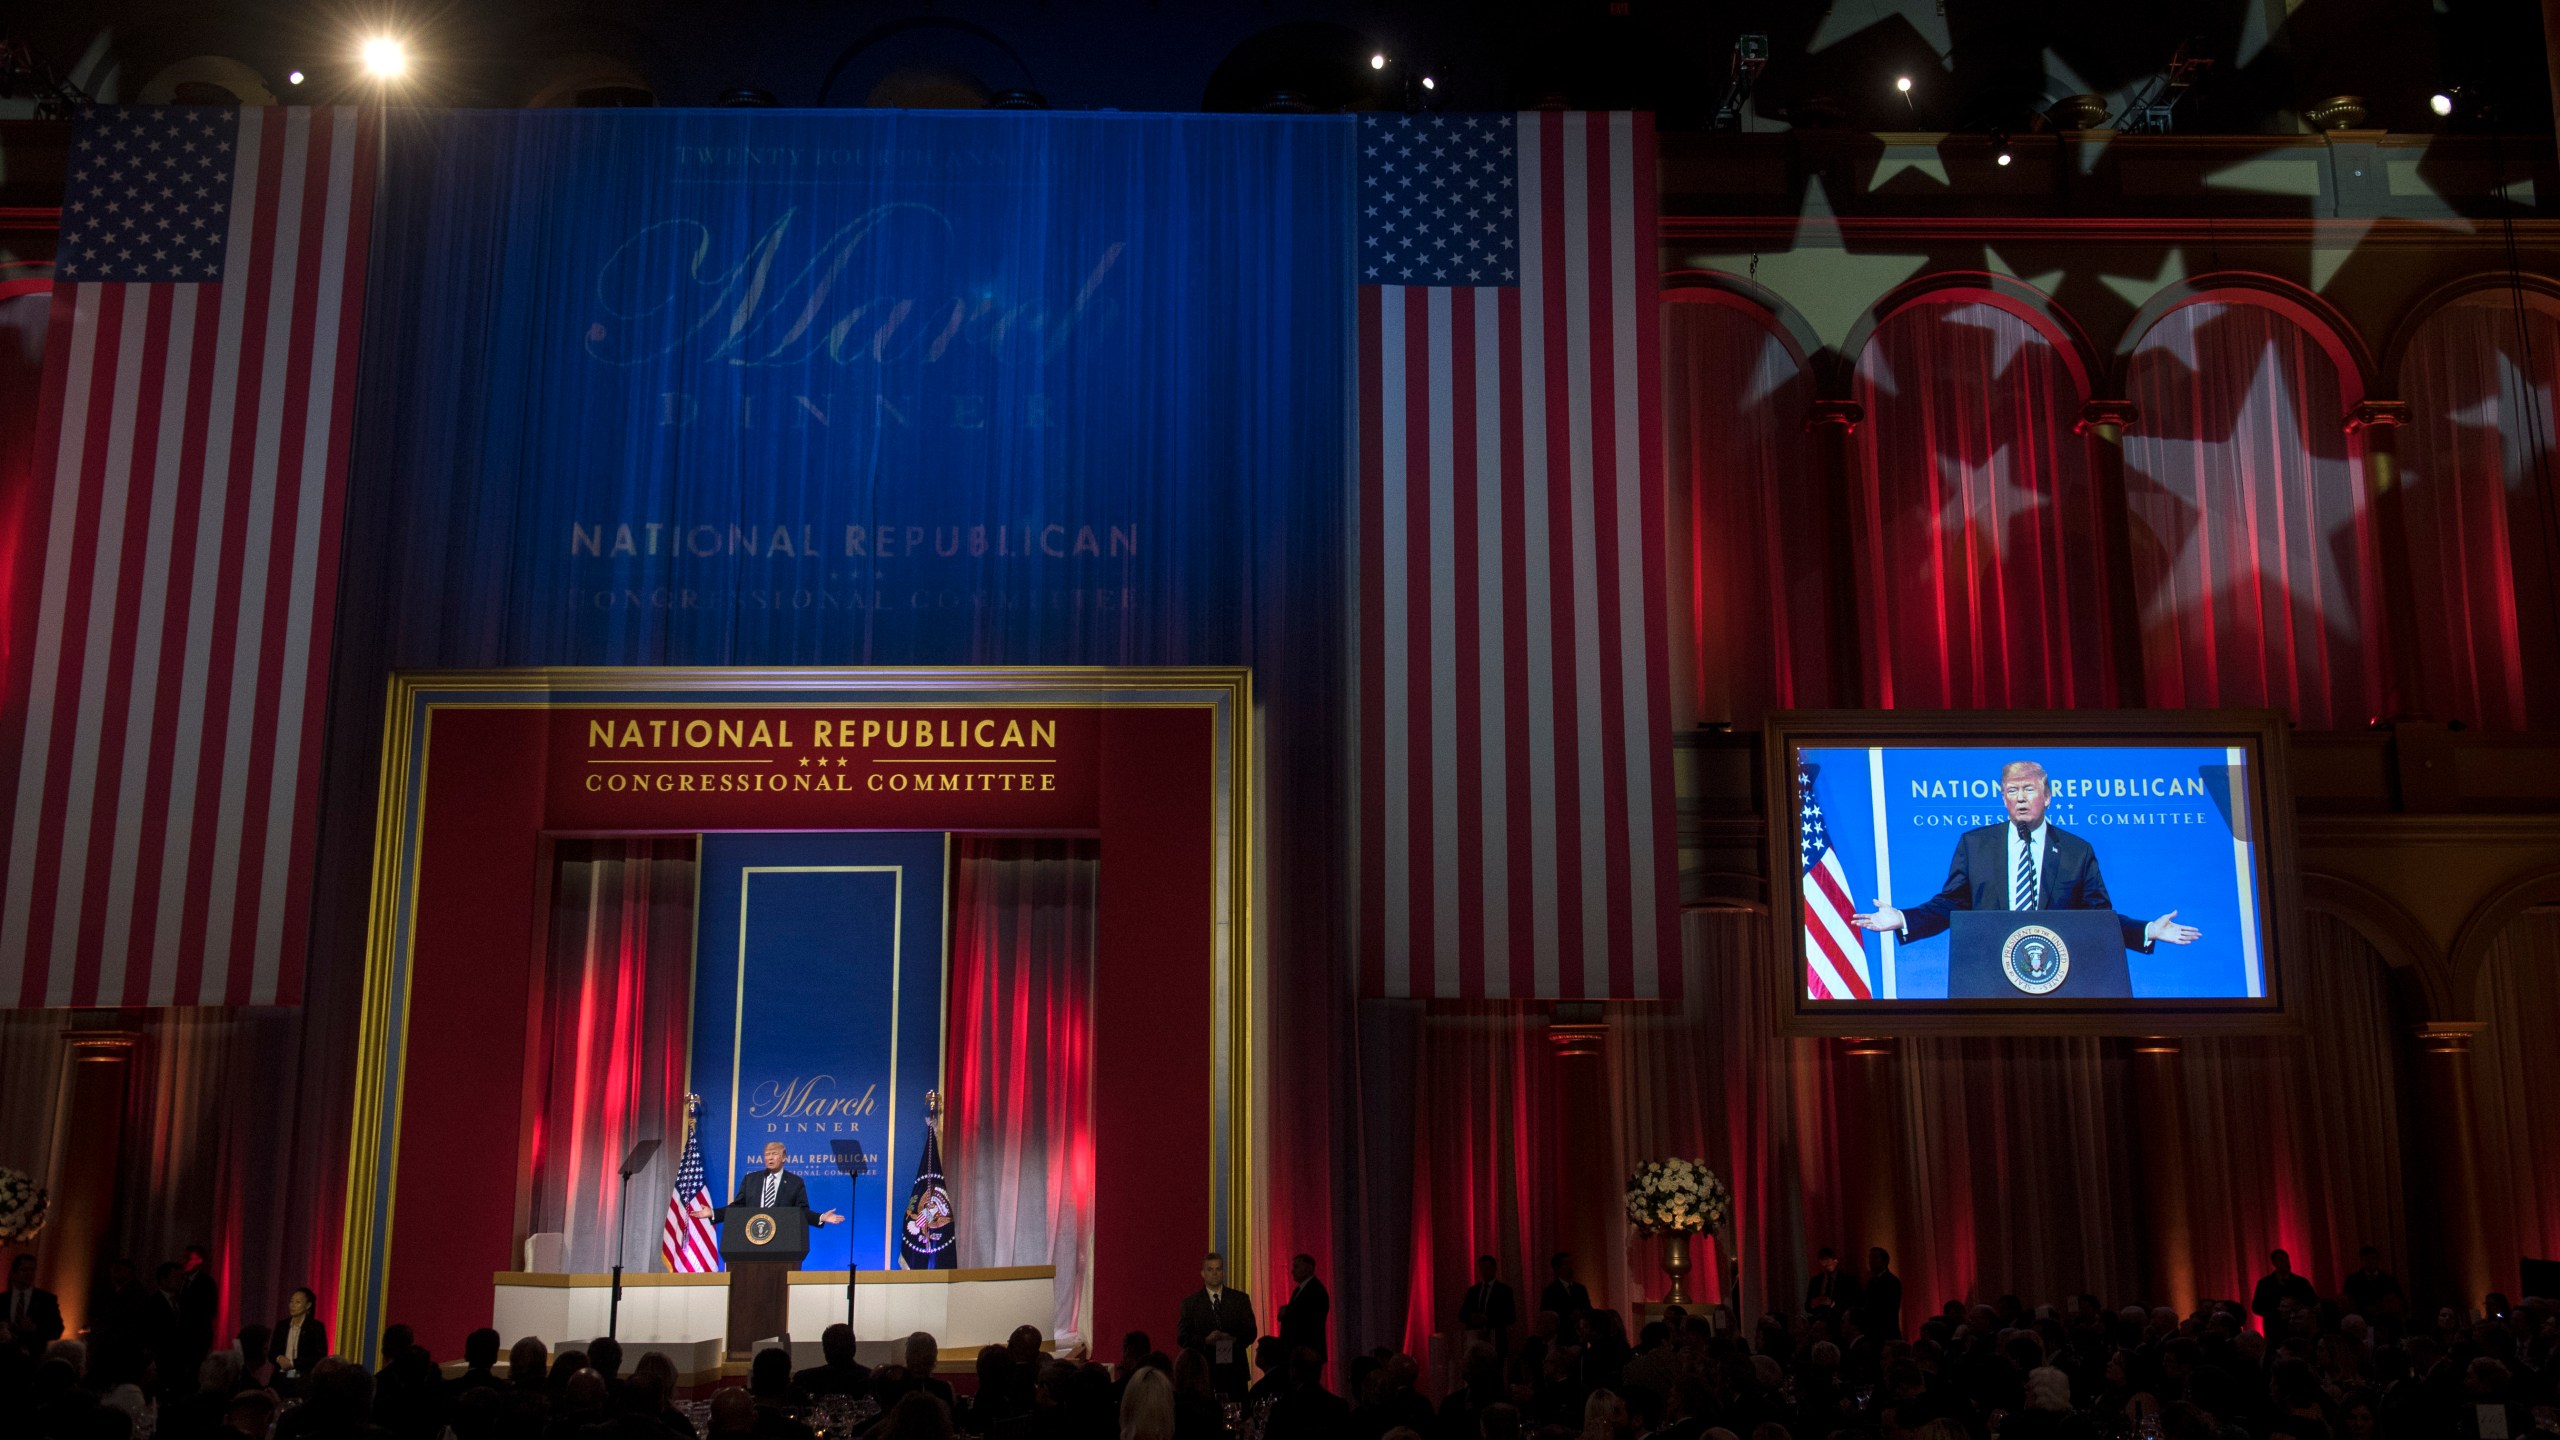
640,1155
851,1160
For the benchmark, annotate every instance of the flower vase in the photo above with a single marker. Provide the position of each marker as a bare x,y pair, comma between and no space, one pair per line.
1675,1264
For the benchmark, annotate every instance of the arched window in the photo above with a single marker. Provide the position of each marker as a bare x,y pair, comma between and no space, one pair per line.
1981,558
2475,463
1738,392
2254,556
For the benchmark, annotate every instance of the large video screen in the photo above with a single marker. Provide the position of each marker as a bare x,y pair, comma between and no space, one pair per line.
2058,868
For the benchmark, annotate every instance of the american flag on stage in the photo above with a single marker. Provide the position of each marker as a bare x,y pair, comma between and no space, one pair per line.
686,1242
170,607
1835,956
1514,714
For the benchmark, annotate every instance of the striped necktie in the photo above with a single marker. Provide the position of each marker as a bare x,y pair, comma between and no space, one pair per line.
2022,895
772,1188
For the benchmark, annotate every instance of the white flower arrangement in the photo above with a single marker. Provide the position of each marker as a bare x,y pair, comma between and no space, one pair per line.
22,1207
1676,1197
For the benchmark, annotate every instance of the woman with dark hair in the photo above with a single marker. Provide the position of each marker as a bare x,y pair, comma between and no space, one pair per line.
1198,1413
299,1340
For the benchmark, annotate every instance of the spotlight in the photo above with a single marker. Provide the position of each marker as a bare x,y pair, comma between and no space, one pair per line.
293,77
2441,102
1429,84
385,58
1903,84
2000,155
1377,62
2003,158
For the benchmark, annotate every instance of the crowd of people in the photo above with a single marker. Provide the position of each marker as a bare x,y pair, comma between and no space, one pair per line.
2289,1364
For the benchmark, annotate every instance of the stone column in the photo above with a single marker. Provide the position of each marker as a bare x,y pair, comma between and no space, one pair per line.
1831,423
1586,1185
2451,1155
98,1068
2168,1229
1870,1128
2375,425
2102,425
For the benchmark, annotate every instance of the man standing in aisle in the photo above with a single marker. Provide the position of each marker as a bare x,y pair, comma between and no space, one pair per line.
1834,1291
1489,1311
1217,1321
1304,1315
1880,1299
1565,1297
34,1316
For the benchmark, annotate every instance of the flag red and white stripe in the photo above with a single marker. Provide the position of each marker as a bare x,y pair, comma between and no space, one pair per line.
686,1242
170,611
1835,957
1517,829
1835,954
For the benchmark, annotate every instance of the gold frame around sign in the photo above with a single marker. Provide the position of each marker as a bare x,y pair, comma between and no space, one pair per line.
373,1164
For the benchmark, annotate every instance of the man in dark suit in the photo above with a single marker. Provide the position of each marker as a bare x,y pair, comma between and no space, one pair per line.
2278,1285
1565,1297
1880,1299
2022,864
1833,1289
771,1188
34,1316
1489,1309
1217,1321
840,1375
1304,1314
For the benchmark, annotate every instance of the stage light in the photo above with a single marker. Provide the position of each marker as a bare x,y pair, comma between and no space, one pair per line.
2002,158
1429,84
293,77
1377,62
385,58
1903,84
2441,102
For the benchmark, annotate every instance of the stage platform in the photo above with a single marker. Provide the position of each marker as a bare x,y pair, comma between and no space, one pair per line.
960,1309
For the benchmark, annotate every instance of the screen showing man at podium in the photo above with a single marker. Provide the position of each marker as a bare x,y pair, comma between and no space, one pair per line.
2028,872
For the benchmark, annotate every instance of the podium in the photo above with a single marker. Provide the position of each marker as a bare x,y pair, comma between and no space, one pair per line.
2060,955
761,1249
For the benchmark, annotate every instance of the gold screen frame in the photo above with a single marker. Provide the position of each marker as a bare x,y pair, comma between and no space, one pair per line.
414,697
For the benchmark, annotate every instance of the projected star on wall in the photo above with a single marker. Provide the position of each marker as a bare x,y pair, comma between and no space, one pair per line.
2187,476
1984,498
2510,412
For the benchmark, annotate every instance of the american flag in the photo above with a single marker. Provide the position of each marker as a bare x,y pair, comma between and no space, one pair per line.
1835,955
168,631
1514,712
686,1242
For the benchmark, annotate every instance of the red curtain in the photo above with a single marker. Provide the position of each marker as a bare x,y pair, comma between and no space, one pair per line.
2011,1167
1018,1136
2519,993
1738,448
1483,1109
2476,470
1981,559
2254,554
612,1017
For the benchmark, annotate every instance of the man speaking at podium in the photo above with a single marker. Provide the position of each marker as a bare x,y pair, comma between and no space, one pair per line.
771,1188
2025,864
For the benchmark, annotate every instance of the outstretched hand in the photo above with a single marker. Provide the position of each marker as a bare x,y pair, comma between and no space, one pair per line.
830,1218
2167,928
1883,917
701,1211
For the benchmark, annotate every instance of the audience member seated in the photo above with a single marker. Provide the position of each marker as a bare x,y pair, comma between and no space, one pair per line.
838,1373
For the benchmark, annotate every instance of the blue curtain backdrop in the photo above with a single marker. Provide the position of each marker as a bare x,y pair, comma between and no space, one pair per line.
749,388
